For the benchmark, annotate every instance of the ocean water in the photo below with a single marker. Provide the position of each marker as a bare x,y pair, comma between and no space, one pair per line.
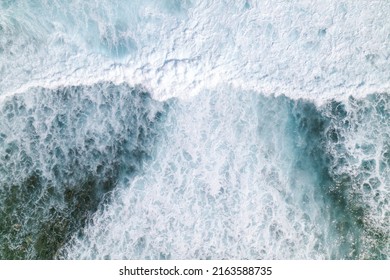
194,129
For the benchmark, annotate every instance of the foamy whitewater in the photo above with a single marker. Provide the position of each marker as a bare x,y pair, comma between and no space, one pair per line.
183,129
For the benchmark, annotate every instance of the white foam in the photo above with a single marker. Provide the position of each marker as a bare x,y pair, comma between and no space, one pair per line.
311,49
224,183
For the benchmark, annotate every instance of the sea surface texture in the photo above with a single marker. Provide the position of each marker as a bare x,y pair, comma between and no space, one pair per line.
188,129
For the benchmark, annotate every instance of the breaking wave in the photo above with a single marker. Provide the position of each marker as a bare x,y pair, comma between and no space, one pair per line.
194,130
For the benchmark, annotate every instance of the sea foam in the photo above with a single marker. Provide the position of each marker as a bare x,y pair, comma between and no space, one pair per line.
201,129
180,48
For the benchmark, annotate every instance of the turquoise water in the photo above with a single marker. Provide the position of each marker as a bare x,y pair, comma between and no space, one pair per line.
106,172
145,130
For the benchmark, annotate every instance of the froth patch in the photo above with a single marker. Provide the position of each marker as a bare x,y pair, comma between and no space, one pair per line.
317,52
